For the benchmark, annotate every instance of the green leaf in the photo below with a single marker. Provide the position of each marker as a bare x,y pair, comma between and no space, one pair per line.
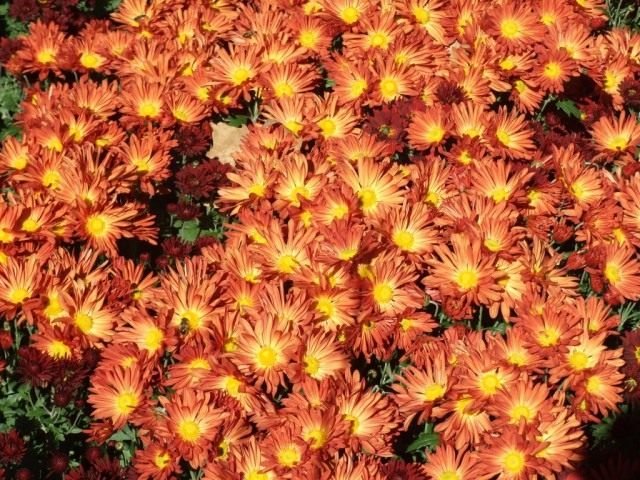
127,434
237,120
569,107
189,231
428,439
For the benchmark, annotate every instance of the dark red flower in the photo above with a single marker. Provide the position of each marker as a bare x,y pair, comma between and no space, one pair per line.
35,367
12,447
6,340
193,140
562,233
58,462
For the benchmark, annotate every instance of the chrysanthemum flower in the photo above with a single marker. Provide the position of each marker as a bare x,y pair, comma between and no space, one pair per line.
19,281
465,270
322,357
514,25
142,101
447,463
370,416
376,32
563,438
375,184
510,457
105,224
40,50
465,425
418,389
622,271
617,135
155,462
393,81
194,422
115,394
522,404
554,71
265,352
512,136
392,287
428,129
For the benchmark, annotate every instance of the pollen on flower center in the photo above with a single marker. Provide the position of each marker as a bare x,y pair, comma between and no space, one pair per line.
289,456
510,28
433,392
319,437
578,360
368,198
490,383
618,142
189,431
232,385
83,321
149,109
383,293
267,357
349,15
126,402
421,14
46,55
467,279
58,349
153,339
404,239
553,70
521,411
286,264
612,273
96,226
312,365
389,88
240,75
513,461
161,460
449,475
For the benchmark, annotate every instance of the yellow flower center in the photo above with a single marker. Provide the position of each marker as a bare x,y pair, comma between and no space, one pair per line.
308,38
467,279
355,423
193,319
500,193
358,87
368,198
199,364
449,475
267,357
434,134
318,436
433,392
349,15
383,293
83,321
96,226
328,127
189,431
283,89
126,402
510,28
490,383
517,358
404,240
231,385
508,63
18,295
553,70
492,244
286,264
347,253
594,385
289,456
46,55
389,88
58,349
548,337
578,360
312,365
513,462
421,14
503,137
379,40
325,306
153,339
161,460
612,273
90,60
520,411
30,225
293,125
239,75
19,162
618,142
149,108
520,86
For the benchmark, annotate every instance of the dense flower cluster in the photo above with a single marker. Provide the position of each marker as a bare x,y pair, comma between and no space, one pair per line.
448,188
